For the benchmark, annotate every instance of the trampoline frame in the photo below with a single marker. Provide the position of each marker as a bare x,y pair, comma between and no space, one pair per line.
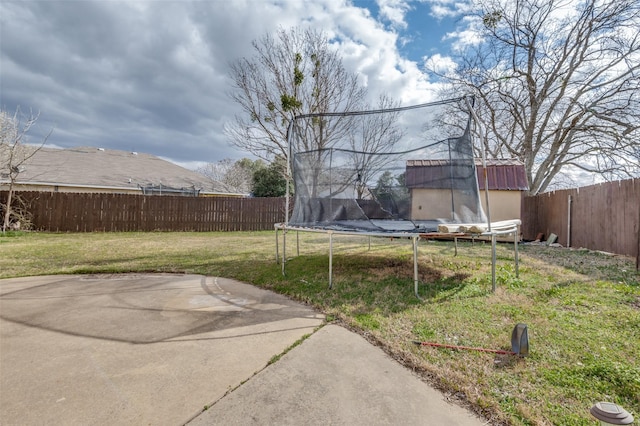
415,238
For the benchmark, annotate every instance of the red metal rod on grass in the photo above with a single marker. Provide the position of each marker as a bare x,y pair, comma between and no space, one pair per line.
440,345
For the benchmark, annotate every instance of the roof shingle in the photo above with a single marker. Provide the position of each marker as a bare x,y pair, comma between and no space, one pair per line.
99,167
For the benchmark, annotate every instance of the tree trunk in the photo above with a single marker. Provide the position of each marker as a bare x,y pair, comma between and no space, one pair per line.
7,210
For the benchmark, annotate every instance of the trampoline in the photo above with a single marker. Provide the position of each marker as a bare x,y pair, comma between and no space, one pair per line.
406,172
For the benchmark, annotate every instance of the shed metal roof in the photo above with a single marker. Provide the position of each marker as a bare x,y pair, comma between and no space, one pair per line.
507,175
502,174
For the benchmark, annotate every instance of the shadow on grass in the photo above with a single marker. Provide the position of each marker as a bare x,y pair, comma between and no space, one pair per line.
362,282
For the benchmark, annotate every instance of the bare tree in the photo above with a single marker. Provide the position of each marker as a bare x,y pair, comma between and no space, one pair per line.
15,154
557,85
232,176
294,72
378,135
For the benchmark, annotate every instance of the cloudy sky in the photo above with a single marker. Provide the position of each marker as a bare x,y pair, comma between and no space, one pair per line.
153,76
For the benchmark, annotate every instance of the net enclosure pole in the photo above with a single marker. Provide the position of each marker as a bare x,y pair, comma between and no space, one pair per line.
484,162
515,252
330,259
288,177
486,196
493,262
284,249
287,193
415,266
277,244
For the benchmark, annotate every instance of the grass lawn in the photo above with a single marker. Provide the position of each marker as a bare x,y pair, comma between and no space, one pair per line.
582,308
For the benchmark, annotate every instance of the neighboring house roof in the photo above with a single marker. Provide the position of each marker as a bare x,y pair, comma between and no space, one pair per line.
105,168
507,174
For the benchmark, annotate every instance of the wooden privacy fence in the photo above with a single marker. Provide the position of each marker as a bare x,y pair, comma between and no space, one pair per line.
598,217
86,212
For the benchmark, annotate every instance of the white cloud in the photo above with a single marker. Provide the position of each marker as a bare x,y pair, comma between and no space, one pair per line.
441,9
469,33
394,11
440,64
371,51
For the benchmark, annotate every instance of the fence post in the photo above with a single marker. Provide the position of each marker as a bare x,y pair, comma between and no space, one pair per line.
638,242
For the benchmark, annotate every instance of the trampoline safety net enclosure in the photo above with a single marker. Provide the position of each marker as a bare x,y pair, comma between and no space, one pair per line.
405,169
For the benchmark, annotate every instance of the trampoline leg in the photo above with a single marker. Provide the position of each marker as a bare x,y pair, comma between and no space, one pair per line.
297,243
515,249
455,242
493,263
277,244
284,249
330,259
415,267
